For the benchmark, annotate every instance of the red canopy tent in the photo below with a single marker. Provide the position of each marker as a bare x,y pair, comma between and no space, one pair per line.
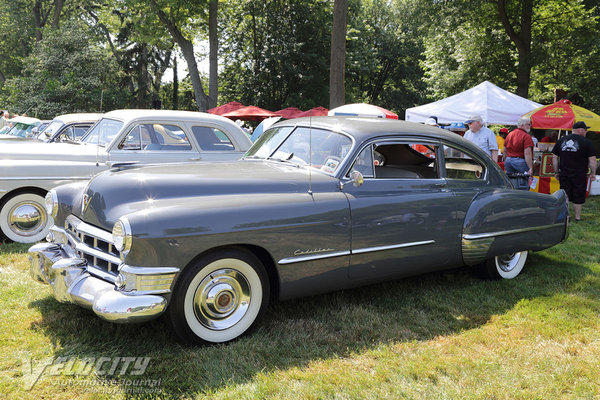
225,108
314,112
250,113
290,112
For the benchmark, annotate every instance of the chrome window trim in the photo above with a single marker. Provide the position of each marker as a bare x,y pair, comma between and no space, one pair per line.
511,232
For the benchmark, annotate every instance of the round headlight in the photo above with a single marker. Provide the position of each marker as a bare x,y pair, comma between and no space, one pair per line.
51,203
121,235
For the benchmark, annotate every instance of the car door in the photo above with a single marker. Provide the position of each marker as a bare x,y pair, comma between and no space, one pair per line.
403,216
150,143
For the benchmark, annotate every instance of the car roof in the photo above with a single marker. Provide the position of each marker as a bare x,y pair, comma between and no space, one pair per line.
78,117
25,120
169,115
363,128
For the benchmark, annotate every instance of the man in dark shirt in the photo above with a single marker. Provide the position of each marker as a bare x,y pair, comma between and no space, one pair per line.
577,160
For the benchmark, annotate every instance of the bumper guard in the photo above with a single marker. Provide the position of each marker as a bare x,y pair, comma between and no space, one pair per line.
51,263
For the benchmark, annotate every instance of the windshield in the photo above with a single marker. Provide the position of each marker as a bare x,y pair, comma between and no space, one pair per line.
321,149
50,130
103,132
21,130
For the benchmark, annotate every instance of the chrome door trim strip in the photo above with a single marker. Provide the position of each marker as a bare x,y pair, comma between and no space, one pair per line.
511,232
291,260
45,178
391,247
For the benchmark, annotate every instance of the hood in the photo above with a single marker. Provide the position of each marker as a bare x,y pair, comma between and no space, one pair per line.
113,194
33,150
13,137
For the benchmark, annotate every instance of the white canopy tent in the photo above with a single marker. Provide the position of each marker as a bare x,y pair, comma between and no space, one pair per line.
494,104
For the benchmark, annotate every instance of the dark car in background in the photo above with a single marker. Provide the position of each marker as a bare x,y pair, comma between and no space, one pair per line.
316,204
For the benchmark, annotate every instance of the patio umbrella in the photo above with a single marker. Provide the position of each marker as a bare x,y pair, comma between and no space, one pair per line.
225,108
290,112
363,110
562,115
250,113
314,112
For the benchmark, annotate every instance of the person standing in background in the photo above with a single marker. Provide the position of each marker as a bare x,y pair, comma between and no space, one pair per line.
518,152
482,136
573,160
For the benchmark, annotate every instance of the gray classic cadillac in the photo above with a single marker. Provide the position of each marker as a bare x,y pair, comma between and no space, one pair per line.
315,205
29,169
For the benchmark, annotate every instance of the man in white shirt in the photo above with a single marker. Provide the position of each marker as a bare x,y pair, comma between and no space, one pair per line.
482,136
2,120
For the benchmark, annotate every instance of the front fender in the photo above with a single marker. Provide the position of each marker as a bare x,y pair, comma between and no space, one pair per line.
506,221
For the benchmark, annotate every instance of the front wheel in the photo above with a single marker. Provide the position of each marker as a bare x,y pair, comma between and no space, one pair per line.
23,218
506,266
219,298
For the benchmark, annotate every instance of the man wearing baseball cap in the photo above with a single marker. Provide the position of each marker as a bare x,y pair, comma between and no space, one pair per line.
482,136
573,160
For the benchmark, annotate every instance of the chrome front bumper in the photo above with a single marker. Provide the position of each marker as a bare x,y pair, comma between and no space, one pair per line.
52,264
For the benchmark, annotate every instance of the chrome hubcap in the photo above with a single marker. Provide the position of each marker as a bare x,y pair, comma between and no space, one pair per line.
507,262
27,219
222,299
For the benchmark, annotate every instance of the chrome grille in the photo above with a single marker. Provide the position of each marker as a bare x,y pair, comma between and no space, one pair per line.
94,245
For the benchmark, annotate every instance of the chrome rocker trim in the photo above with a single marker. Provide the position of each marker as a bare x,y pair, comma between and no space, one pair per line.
71,283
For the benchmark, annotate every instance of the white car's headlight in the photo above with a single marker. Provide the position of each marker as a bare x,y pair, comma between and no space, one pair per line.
51,203
121,235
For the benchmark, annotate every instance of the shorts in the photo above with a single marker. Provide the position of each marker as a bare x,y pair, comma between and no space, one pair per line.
575,186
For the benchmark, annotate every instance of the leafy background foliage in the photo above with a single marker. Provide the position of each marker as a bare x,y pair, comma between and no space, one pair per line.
80,55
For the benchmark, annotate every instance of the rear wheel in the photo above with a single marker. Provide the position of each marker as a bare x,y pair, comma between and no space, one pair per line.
506,266
219,298
23,218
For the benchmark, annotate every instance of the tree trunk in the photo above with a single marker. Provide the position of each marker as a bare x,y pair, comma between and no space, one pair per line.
213,40
187,49
522,41
175,85
37,18
58,7
338,54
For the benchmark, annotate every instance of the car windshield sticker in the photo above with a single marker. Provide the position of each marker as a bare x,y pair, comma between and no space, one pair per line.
330,165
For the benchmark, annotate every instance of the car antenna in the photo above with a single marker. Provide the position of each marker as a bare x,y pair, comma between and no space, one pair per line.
310,192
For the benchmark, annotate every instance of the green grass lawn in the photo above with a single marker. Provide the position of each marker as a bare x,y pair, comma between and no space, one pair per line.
440,336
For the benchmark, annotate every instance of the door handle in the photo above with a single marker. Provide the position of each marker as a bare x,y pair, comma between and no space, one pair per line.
195,158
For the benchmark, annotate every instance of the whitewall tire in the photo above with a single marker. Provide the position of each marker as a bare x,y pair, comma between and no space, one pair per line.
23,218
506,266
219,298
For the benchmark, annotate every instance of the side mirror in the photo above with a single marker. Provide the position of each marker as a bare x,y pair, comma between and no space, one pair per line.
356,178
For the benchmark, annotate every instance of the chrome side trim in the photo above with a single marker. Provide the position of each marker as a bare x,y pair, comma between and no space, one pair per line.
291,260
511,232
45,178
475,251
391,247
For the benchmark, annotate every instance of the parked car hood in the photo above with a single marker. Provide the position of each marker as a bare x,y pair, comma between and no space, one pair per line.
112,193
30,150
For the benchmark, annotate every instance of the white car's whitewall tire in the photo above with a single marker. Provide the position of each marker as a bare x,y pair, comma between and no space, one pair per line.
23,218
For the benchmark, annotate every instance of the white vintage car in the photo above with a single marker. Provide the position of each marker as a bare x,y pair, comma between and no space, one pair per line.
29,169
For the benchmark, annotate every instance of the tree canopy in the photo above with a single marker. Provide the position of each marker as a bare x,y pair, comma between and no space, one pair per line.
89,55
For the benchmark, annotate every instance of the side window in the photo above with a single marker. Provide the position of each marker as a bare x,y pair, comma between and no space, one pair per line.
460,165
164,137
414,160
212,139
156,137
132,140
67,133
364,163
79,131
